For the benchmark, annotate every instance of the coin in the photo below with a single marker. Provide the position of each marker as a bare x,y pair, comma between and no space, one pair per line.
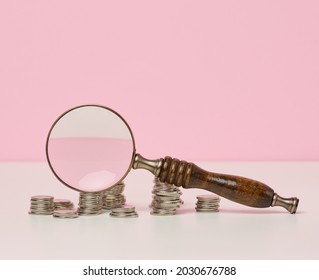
166,198
61,203
90,203
207,203
124,216
41,205
207,210
113,197
65,213
163,212
42,197
125,211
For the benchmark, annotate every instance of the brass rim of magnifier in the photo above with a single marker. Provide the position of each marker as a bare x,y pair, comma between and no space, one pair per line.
78,107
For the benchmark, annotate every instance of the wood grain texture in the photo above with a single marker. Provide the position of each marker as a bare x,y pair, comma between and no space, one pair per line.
238,189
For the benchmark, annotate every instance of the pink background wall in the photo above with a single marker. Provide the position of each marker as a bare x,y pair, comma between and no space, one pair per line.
198,80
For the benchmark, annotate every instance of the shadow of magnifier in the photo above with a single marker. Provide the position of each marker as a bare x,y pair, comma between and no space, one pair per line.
91,148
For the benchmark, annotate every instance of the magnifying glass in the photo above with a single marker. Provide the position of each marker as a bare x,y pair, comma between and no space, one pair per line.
91,148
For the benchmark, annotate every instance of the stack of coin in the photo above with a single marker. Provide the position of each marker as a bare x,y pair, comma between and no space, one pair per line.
166,199
207,203
42,205
113,197
65,213
62,204
90,203
125,211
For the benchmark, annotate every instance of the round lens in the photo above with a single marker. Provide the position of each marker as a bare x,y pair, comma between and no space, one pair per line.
90,148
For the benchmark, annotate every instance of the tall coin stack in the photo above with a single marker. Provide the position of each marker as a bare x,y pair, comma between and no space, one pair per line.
41,205
166,199
207,203
113,197
90,203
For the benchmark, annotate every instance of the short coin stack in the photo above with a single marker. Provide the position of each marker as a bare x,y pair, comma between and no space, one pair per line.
207,203
90,203
166,199
65,214
126,211
113,197
62,204
41,205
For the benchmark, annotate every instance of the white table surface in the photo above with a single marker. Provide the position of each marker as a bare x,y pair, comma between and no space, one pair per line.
236,232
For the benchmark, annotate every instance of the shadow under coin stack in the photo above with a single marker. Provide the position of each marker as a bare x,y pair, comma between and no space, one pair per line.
126,211
113,197
90,203
166,199
41,205
207,203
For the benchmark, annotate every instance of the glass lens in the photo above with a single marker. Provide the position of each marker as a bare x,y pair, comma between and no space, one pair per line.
90,148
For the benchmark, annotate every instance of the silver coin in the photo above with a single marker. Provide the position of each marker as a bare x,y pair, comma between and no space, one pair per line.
88,213
121,210
165,206
207,205
96,198
45,202
123,213
165,203
166,199
42,197
41,208
65,213
66,216
166,192
124,208
90,203
41,205
162,213
207,201
62,201
117,189
90,194
115,201
40,212
132,215
208,197
70,207
207,210
90,207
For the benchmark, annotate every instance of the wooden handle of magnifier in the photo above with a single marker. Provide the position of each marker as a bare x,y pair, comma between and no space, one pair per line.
239,189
